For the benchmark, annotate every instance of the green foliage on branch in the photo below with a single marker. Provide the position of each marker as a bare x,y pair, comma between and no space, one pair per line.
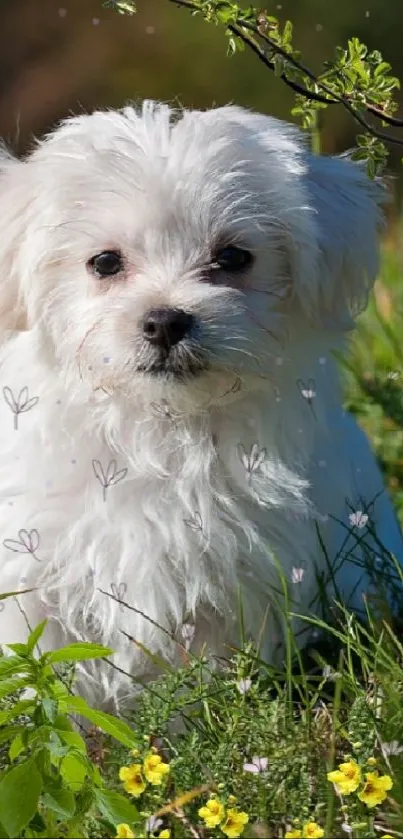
356,79
123,7
49,786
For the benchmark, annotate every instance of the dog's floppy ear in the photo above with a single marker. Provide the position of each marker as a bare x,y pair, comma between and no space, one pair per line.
335,259
14,211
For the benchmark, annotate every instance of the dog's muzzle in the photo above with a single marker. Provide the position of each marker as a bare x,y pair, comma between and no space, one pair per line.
170,347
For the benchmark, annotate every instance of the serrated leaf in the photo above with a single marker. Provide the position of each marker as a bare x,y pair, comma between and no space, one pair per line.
50,708
73,740
20,790
115,807
78,652
74,770
59,799
84,800
107,722
55,746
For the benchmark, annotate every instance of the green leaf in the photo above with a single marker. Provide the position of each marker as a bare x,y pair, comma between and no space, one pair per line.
16,747
9,732
36,633
50,708
19,649
13,664
78,652
55,746
14,593
73,740
74,769
20,789
225,13
20,709
122,7
115,807
287,32
107,722
84,800
37,824
9,686
59,799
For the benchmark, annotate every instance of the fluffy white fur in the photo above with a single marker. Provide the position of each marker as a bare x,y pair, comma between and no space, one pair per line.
214,482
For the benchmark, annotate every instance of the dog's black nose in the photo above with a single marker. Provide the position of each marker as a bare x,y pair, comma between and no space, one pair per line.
166,327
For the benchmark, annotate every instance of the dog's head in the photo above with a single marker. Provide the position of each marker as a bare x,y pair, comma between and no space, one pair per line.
158,252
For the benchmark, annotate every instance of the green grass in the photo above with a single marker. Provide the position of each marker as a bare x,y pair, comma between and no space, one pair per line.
341,700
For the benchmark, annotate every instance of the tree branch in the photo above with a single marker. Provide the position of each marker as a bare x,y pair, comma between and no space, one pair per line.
327,96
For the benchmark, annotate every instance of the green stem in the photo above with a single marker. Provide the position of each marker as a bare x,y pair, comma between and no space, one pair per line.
335,723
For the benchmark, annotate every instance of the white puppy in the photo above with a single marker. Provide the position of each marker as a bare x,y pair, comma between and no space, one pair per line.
172,287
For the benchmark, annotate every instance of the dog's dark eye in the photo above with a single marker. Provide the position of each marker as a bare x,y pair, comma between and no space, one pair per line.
107,263
232,258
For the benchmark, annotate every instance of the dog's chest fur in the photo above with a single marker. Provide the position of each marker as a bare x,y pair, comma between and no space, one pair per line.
179,519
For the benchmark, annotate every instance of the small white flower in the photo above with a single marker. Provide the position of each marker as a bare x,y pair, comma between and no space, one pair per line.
188,634
358,519
328,672
346,827
307,391
152,824
297,575
252,460
258,764
244,685
393,375
392,748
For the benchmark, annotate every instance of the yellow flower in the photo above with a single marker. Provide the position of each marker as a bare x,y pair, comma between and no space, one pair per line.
165,834
375,789
371,761
386,836
212,813
347,777
311,830
132,778
293,834
123,831
235,823
155,769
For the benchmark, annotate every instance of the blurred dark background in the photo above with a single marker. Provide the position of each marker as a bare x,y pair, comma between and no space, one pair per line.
64,56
